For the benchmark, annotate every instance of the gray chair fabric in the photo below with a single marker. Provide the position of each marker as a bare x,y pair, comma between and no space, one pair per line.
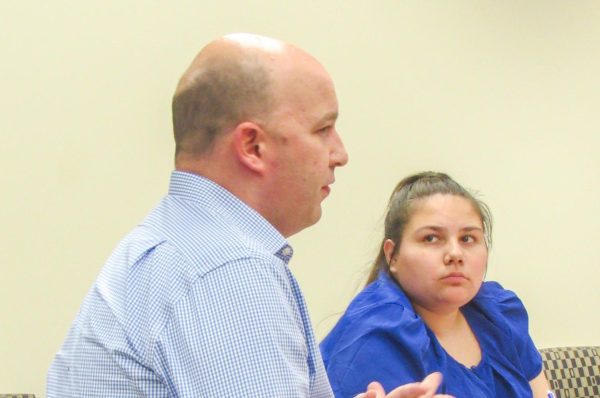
573,372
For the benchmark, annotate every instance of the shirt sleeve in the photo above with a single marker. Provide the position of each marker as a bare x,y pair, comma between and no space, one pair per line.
385,343
515,317
236,334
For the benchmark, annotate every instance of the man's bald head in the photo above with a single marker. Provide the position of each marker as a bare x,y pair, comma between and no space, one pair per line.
229,81
257,116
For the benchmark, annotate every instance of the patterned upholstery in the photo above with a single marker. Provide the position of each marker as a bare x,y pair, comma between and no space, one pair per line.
573,371
17,396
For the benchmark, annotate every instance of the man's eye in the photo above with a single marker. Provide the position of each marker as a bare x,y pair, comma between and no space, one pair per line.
324,130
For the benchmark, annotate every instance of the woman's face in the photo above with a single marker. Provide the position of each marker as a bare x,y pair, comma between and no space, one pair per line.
442,258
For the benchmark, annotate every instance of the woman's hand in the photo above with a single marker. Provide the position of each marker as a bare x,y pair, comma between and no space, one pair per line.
424,389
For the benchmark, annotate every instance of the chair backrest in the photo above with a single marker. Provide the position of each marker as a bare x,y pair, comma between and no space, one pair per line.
573,372
17,396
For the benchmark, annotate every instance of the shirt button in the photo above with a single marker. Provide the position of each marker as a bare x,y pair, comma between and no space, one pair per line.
287,251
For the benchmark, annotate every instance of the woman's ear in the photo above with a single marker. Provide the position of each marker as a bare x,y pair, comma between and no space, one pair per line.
249,145
388,250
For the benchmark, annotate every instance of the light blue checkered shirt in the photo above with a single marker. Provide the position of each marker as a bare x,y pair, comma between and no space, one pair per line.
197,301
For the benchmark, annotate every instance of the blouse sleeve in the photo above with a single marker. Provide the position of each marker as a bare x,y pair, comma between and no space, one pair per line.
384,343
514,316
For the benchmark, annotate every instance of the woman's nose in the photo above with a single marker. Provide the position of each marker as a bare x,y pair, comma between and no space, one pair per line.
454,254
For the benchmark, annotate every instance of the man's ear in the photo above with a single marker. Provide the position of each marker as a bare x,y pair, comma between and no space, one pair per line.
249,142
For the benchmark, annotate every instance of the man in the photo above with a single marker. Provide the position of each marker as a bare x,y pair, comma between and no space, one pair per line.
198,300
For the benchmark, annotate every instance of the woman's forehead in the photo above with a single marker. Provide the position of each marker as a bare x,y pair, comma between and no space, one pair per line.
443,208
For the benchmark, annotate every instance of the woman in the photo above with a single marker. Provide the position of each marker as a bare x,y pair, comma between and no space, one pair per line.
426,308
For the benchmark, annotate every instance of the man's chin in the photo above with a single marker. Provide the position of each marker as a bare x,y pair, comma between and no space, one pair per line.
310,221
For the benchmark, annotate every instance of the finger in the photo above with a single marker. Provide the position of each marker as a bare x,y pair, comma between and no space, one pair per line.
424,389
432,382
375,390
412,390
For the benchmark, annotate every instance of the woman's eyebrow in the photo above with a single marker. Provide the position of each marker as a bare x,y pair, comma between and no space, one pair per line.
434,227
440,228
472,228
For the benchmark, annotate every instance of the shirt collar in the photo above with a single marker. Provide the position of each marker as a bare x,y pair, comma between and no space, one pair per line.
215,198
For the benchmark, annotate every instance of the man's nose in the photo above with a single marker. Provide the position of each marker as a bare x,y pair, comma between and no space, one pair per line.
339,156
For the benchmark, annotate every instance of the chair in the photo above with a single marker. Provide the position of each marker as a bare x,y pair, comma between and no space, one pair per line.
17,396
573,372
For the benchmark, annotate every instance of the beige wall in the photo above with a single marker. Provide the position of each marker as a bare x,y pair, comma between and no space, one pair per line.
503,95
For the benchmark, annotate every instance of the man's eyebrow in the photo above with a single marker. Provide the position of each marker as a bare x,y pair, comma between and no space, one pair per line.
329,116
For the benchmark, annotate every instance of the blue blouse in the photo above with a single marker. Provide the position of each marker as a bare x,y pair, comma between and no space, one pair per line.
381,338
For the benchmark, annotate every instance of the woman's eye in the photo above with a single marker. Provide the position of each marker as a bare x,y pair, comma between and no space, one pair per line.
468,238
430,238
